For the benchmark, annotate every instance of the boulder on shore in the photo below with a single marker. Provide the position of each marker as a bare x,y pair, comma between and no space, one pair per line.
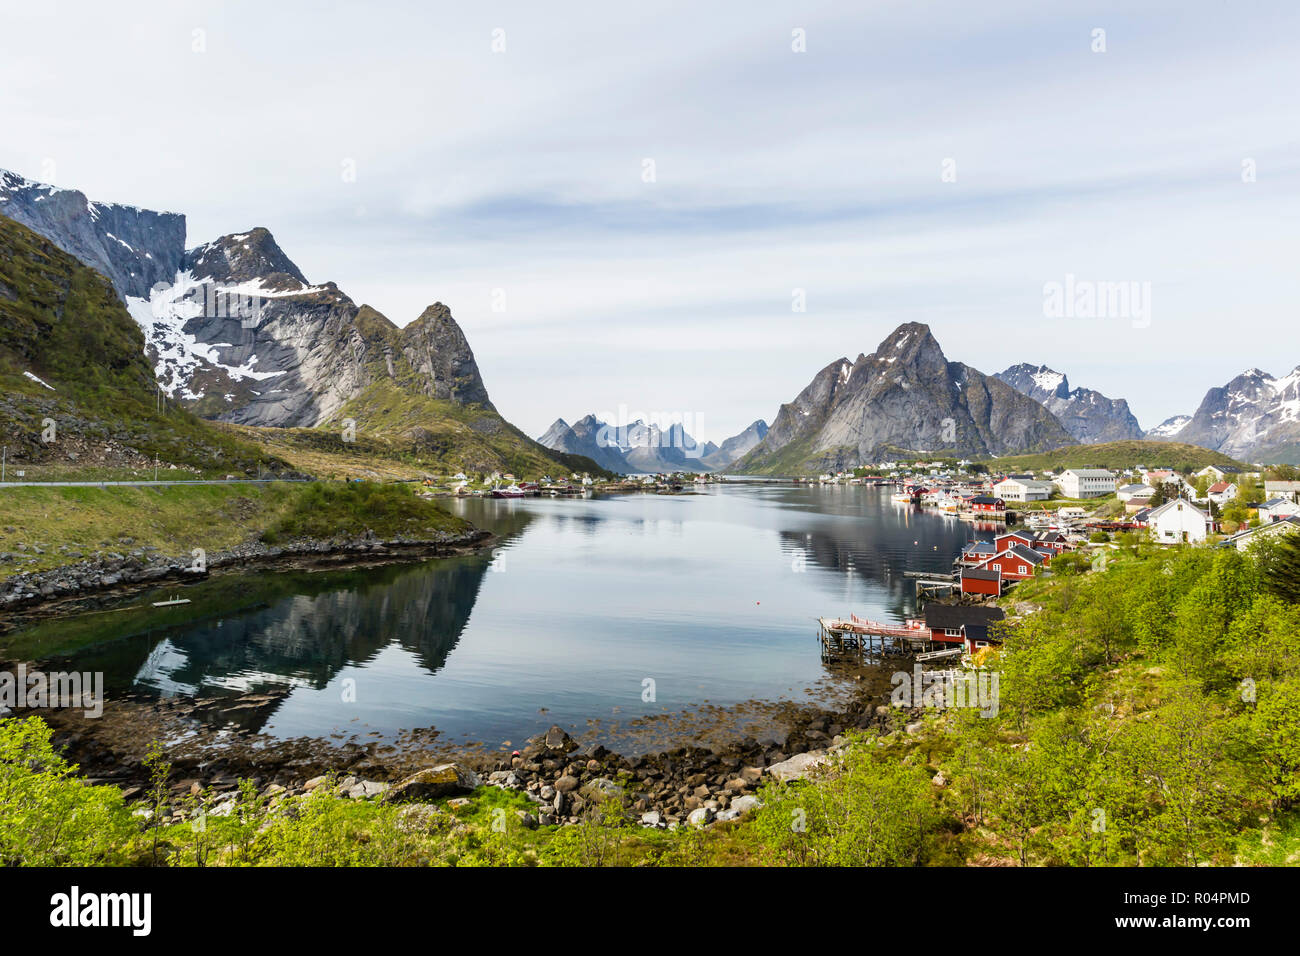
798,767
432,783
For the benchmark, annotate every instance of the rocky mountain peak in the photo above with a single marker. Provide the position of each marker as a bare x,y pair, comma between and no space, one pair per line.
1037,381
438,351
1087,414
905,398
911,345
251,256
1254,416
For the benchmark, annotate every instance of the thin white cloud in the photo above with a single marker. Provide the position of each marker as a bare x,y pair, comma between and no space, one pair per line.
522,171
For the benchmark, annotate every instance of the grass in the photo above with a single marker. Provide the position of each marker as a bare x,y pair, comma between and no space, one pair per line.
71,524
1117,455
321,511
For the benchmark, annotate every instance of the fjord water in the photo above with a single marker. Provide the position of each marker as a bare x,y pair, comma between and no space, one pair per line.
712,596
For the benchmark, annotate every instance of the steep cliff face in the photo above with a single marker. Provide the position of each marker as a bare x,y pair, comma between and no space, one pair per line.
737,446
1088,415
906,398
135,248
250,347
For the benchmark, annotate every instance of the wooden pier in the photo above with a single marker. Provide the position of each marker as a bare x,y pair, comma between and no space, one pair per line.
864,640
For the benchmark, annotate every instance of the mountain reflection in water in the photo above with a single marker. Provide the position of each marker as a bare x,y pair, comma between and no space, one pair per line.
709,597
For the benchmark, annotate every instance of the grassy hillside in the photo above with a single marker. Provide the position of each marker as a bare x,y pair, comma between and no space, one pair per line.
41,528
1117,455
62,322
395,421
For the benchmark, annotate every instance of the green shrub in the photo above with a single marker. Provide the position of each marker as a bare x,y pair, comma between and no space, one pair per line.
49,817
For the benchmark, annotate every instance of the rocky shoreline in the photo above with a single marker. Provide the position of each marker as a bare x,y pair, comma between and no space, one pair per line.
113,575
689,784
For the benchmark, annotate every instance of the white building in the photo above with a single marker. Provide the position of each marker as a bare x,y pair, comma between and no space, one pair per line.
1178,522
1129,492
1085,482
1023,489
1221,492
1282,489
1245,539
1215,473
1277,509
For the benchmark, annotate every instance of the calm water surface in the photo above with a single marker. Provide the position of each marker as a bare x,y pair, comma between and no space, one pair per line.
712,596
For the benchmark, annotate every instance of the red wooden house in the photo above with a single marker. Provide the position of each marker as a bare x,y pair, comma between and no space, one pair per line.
983,581
1007,538
1016,562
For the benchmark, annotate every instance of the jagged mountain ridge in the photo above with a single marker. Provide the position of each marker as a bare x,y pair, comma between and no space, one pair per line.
904,399
236,333
1087,414
134,248
1254,417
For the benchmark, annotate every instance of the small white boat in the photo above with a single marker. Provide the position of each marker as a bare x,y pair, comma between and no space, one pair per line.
171,602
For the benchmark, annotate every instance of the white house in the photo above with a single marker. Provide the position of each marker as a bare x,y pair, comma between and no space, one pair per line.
1245,539
1221,492
1215,473
1086,482
1178,522
1023,489
1277,509
1129,492
1282,489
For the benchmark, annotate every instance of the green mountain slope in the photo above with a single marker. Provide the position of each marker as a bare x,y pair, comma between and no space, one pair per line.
1119,454
71,355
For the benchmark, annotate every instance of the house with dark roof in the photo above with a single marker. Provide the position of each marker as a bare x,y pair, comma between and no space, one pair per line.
1016,562
1244,539
973,625
977,552
981,581
1276,509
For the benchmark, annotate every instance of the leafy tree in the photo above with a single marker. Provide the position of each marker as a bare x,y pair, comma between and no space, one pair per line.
1283,572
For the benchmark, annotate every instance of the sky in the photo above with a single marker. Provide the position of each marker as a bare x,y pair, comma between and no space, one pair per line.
689,209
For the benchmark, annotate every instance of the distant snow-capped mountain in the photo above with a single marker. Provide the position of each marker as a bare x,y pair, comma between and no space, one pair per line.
1168,429
1255,417
1087,414
638,448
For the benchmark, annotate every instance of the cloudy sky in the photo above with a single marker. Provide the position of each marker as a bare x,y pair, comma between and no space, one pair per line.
620,201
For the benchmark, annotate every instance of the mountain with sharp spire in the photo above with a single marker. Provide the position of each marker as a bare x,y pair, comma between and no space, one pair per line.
906,399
